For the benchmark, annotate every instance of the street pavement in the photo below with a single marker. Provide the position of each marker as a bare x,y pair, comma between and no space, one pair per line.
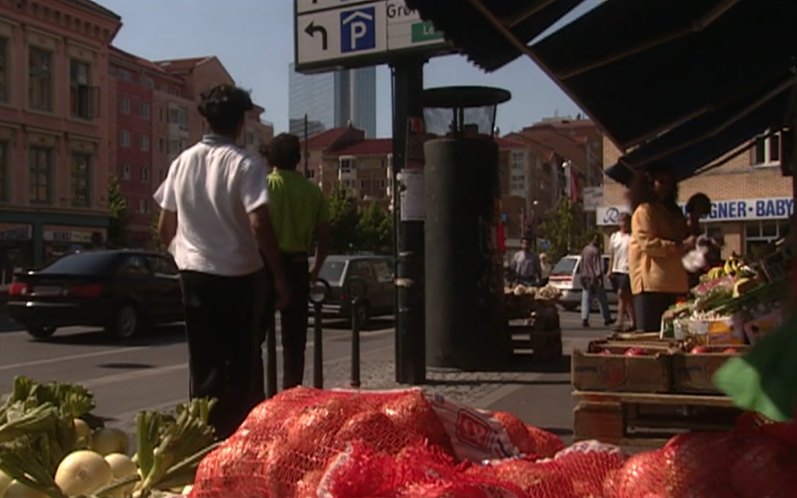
151,372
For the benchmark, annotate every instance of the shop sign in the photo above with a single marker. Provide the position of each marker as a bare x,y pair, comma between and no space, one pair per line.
768,208
67,236
15,232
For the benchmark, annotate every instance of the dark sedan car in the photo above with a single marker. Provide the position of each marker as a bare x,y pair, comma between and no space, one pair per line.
376,287
121,290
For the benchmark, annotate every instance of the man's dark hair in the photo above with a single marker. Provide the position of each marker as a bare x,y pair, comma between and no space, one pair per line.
224,108
283,152
698,201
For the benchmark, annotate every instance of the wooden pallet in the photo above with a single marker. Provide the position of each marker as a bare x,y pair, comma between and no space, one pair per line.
641,419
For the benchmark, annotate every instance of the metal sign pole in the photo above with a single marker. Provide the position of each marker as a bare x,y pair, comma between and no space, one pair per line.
409,236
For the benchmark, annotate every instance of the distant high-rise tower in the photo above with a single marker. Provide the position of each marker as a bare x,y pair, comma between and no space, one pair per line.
331,100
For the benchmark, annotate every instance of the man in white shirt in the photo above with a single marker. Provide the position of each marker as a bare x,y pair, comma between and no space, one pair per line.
216,223
618,263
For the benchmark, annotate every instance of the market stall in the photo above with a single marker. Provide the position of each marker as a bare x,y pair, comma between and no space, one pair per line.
639,389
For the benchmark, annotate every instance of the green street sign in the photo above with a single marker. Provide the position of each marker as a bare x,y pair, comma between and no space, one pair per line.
424,32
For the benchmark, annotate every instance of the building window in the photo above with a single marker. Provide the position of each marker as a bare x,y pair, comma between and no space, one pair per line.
144,142
346,164
40,175
124,138
759,234
124,104
145,110
143,206
161,114
363,184
174,146
4,171
40,79
5,65
145,174
83,98
179,116
310,173
160,145
125,171
767,150
81,174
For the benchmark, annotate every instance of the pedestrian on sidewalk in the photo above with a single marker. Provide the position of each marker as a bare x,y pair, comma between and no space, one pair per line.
658,230
525,267
591,273
300,215
621,282
215,219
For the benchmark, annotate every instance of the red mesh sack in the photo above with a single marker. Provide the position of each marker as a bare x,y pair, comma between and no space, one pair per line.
517,432
535,479
642,476
413,413
587,464
459,490
360,472
285,442
544,444
763,467
755,422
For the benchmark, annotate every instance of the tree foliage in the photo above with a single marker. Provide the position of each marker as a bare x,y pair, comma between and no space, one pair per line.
119,215
358,229
344,220
565,230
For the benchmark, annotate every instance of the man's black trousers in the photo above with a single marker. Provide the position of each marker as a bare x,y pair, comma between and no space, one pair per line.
222,318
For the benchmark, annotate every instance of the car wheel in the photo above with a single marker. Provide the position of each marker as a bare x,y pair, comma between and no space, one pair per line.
569,306
41,332
126,322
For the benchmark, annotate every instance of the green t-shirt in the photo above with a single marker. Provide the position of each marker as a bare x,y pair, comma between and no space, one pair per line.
297,206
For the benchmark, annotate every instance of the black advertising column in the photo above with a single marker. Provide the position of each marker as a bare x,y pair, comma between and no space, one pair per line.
465,325
408,217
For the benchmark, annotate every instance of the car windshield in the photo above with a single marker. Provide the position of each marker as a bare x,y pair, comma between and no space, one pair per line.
565,266
332,271
87,263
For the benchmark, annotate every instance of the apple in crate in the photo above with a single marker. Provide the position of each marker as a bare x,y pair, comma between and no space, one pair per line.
635,352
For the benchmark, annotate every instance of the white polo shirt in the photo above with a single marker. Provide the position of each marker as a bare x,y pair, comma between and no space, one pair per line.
618,247
213,186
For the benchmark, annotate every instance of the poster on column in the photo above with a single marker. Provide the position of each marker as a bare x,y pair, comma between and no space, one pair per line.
413,193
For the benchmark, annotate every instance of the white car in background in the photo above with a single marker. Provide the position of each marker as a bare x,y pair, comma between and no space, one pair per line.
564,277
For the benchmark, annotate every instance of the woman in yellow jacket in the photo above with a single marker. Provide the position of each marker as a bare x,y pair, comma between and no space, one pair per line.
658,228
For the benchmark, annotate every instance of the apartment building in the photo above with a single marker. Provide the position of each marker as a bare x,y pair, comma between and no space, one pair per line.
751,200
54,128
155,118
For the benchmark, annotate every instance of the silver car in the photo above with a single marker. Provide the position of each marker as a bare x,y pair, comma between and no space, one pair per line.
564,277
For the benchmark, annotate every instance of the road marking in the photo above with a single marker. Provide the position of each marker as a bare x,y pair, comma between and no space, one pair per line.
70,358
127,416
123,377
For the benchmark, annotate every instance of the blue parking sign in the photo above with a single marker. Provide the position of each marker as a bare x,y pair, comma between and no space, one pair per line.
358,29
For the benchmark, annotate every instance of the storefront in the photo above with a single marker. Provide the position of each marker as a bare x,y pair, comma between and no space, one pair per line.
744,225
60,240
16,249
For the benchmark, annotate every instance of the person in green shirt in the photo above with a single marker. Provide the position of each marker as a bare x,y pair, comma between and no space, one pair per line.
300,215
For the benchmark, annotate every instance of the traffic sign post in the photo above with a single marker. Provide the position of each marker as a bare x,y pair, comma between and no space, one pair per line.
335,34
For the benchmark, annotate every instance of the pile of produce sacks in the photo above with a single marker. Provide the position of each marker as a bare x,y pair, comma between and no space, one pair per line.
342,444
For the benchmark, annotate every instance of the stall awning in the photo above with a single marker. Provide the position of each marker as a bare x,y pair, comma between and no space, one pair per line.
656,74
488,31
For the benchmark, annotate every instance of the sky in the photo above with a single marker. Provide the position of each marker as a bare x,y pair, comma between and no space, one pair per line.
254,41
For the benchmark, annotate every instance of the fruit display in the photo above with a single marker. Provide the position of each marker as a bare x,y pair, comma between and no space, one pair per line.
51,446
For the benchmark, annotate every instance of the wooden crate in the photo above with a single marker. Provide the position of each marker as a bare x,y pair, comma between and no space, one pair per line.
636,419
618,373
544,345
692,373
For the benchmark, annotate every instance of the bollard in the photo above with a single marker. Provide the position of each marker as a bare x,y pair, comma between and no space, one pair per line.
357,288
318,294
271,359
355,342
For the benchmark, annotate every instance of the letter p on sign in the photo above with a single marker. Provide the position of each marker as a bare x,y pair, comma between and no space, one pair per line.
358,29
